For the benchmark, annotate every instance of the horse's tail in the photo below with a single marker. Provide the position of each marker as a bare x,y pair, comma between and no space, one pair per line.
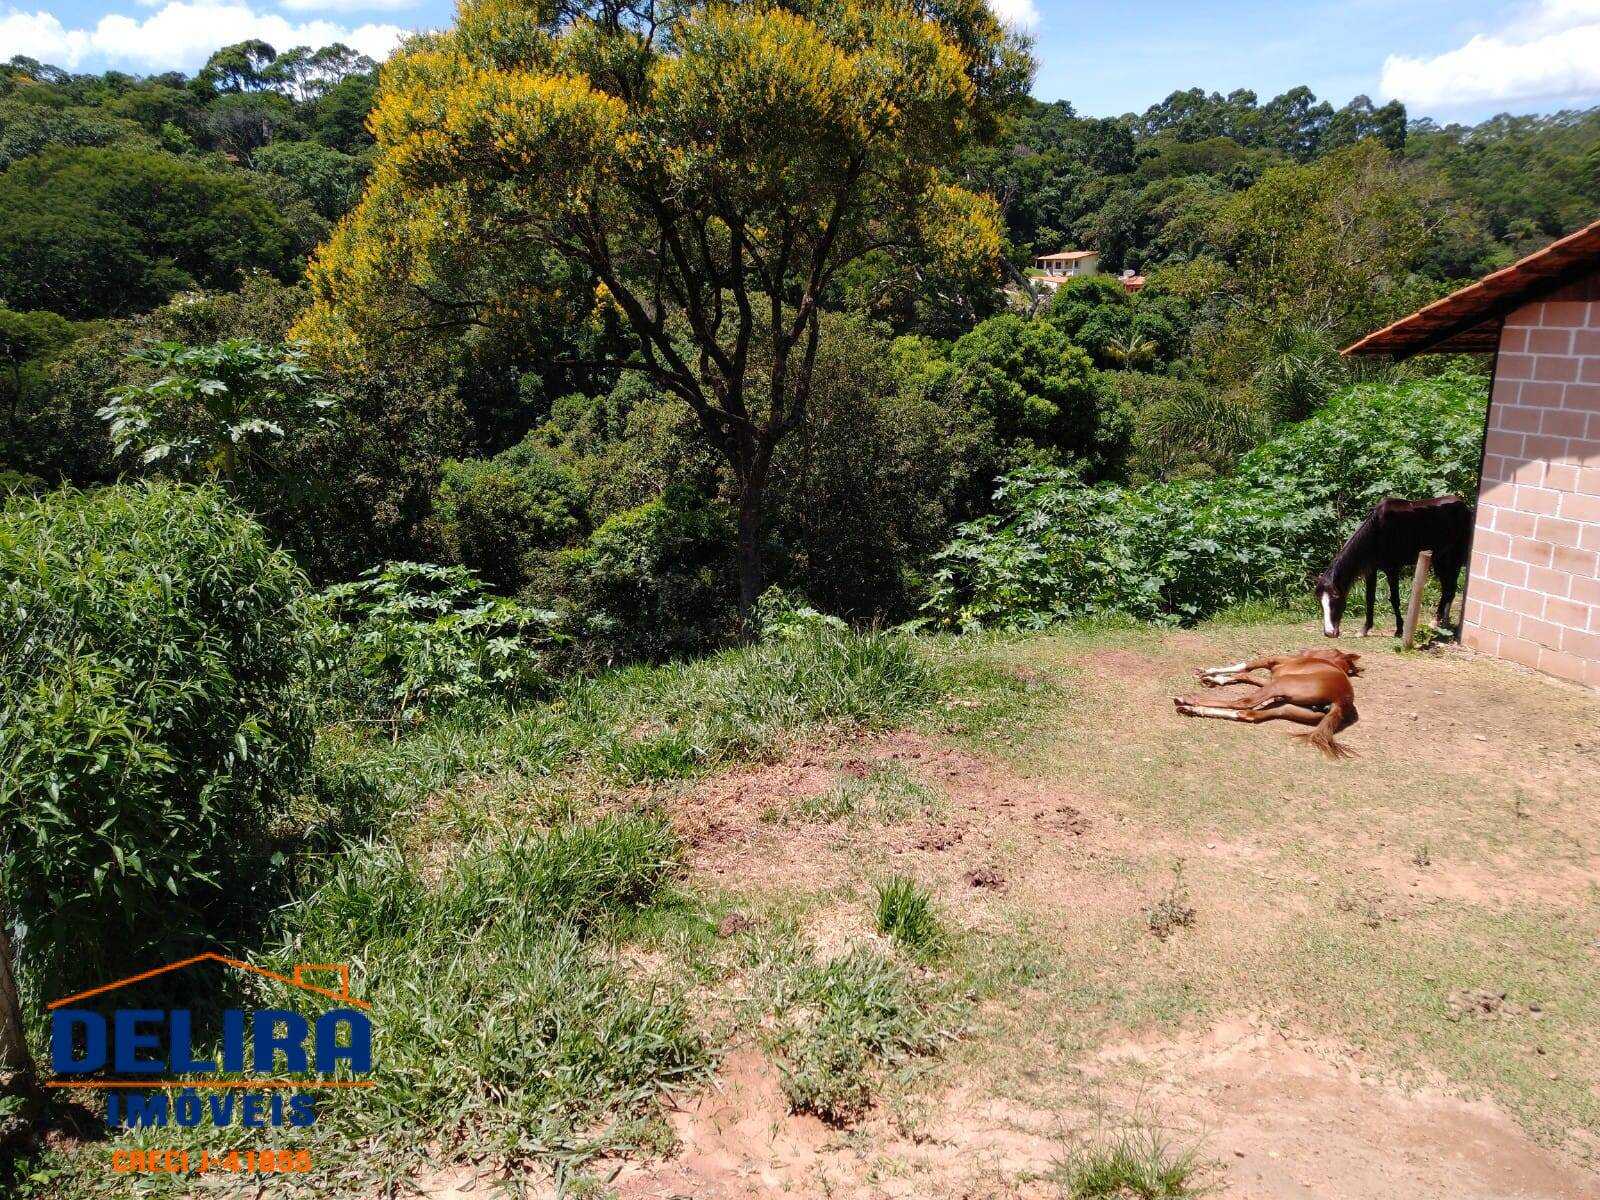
1322,736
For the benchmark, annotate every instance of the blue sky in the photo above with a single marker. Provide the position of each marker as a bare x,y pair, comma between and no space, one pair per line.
1453,61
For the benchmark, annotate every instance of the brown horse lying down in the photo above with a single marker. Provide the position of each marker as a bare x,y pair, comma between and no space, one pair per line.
1312,687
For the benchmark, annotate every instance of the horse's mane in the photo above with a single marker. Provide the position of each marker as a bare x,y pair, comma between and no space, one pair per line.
1351,555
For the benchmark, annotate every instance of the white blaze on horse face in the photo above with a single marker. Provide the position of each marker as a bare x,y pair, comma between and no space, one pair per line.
1329,629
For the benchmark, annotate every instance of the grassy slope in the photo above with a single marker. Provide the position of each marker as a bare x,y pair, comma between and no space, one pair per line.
484,879
1311,906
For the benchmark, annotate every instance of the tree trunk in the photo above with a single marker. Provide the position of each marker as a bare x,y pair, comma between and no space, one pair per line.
752,506
16,1064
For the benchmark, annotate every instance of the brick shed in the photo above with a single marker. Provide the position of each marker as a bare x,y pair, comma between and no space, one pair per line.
1533,584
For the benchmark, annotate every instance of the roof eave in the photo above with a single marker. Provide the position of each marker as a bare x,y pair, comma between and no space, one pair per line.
1470,318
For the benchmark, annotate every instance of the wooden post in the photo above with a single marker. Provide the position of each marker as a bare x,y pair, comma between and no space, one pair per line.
1419,582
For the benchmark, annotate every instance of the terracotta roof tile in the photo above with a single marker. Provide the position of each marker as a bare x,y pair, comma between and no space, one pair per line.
1470,318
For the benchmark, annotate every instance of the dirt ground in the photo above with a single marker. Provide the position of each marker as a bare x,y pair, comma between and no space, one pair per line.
1390,985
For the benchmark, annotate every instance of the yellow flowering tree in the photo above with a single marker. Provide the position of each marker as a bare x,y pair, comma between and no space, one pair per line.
712,166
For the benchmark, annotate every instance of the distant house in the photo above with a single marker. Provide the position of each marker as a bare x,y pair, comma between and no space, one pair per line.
1057,268
1533,582
1131,281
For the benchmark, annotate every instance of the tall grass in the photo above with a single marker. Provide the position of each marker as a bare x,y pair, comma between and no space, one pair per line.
905,913
640,724
504,1030
501,1031
1137,1163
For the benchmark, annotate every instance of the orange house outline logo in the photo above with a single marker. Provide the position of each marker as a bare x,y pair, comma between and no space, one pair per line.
296,980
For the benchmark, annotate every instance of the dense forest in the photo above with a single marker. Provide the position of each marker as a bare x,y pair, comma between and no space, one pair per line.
486,405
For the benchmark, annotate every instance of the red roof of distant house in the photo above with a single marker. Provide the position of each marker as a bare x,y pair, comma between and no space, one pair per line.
1067,255
1132,282
1470,319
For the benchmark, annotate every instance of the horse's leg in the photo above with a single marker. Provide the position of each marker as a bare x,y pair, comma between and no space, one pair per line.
1228,712
1206,706
1238,672
1448,574
1285,712
1243,708
1214,679
1394,600
1372,593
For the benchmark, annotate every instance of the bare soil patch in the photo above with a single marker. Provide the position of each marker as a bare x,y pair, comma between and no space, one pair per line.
1280,1116
1291,1116
741,828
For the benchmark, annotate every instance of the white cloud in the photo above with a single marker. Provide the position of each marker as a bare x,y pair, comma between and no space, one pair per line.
1016,14
1548,51
347,5
178,36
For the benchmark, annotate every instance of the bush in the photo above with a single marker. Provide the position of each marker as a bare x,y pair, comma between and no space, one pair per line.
652,583
1184,429
629,445
153,719
407,639
1056,549
1117,328
497,513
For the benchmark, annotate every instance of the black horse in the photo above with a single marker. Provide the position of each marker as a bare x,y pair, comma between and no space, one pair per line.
1391,537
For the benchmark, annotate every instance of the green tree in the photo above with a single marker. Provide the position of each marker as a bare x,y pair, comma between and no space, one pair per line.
89,232
241,124
339,120
1359,120
498,513
1091,310
713,165
242,67
1320,243
25,338
869,486
27,128
1038,392
330,179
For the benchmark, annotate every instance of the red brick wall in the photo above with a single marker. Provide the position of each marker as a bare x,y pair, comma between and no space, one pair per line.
1533,591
